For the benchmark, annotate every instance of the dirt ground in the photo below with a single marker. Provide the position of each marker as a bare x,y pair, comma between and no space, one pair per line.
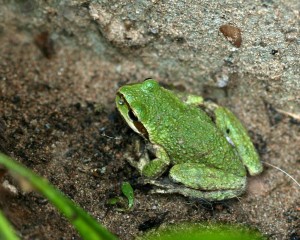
57,117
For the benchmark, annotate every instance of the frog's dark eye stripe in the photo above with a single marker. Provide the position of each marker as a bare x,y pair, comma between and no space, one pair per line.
139,126
135,120
132,116
142,130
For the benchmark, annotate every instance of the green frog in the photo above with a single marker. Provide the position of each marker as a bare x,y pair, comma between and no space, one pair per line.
204,149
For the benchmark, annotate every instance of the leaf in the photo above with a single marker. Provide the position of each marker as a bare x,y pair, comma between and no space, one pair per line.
128,192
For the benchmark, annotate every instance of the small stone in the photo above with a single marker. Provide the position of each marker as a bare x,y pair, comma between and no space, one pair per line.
232,34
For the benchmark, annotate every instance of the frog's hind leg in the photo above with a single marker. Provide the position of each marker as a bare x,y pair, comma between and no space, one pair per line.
202,176
216,195
238,136
201,181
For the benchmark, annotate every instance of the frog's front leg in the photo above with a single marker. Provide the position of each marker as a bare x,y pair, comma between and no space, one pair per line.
151,168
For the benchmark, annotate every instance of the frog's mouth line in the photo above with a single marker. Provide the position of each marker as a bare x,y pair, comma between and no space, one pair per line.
139,127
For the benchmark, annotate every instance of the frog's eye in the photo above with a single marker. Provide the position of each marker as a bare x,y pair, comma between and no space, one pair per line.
132,116
121,100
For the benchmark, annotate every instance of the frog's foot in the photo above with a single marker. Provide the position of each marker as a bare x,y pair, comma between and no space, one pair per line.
139,165
157,166
148,167
171,188
137,151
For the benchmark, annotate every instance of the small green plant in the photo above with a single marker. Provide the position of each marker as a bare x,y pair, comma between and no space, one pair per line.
128,192
119,202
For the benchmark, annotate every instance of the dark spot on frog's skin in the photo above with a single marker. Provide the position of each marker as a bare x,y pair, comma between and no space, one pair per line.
232,34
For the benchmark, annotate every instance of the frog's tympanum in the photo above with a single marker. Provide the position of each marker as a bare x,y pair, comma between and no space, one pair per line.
203,147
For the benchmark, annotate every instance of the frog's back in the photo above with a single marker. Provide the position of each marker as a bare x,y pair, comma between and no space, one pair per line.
188,134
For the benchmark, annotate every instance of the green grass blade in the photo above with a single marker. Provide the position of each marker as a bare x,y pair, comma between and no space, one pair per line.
87,226
6,230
